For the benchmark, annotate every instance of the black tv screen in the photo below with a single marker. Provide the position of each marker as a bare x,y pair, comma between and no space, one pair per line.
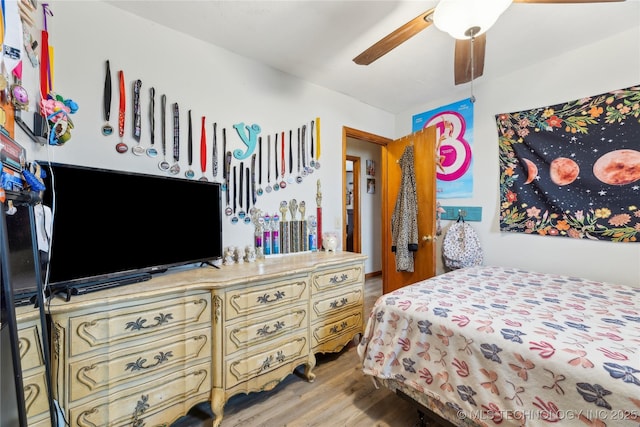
109,224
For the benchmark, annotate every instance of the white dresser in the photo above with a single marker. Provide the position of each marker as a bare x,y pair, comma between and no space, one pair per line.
144,354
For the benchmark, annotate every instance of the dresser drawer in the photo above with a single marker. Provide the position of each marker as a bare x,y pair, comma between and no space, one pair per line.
92,331
329,304
153,403
256,299
332,335
263,360
35,394
118,369
337,277
30,348
255,330
44,422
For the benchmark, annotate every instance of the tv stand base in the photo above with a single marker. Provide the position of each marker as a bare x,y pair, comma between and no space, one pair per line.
99,286
209,263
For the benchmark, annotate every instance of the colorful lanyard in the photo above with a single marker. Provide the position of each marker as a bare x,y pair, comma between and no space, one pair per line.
137,114
176,132
203,147
215,150
123,105
282,155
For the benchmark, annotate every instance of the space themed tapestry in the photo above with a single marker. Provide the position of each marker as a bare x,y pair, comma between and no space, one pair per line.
573,169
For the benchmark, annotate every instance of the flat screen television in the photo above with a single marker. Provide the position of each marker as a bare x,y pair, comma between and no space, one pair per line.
113,227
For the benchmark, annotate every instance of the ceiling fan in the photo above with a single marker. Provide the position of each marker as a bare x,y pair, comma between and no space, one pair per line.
470,36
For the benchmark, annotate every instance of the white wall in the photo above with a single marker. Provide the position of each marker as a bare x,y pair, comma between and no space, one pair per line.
213,82
610,64
230,89
370,204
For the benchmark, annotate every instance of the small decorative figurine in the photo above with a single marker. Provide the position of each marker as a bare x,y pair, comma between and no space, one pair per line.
302,208
250,254
293,208
283,210
228,256
330,241
239,256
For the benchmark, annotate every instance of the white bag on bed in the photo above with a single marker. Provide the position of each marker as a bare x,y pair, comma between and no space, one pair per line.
461,246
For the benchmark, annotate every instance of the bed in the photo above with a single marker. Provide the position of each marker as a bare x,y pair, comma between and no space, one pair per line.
485,346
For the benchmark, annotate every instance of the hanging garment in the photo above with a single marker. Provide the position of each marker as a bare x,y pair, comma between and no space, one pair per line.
404,221
461,246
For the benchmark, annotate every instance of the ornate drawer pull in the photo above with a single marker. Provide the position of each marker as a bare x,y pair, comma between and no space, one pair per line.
139,364
280,357
31,392
141,407
23,345
343,277
139,324
341,303
342,327
264,331
266,298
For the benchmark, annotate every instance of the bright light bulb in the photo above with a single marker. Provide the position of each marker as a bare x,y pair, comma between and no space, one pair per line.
466,18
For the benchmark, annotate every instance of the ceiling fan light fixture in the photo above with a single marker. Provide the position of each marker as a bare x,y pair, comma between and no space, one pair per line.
464,19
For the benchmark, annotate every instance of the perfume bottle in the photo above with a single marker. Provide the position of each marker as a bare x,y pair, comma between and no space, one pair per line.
275,235
313,237
266,239
258,236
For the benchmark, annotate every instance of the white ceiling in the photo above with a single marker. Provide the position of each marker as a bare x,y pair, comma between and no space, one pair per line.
317,40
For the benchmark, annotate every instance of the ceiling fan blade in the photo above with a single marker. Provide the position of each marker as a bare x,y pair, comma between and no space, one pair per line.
394,39
567,1
462,62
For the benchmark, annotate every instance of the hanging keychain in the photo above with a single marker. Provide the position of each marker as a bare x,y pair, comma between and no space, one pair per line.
175,168
137,149
151,151
203,150
107,129
214,159
164,165
121,147
190,173
268,188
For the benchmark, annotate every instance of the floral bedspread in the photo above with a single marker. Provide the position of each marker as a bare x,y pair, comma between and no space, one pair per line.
508,347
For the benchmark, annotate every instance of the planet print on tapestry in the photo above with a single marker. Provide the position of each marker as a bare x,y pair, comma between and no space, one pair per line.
563,171
619,167
573,169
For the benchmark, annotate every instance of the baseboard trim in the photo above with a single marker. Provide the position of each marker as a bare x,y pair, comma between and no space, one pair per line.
373,274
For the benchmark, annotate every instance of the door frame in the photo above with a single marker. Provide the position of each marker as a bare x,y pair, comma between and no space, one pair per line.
357,239
347,133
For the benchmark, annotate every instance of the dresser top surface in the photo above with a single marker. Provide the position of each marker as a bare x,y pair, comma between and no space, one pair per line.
210,278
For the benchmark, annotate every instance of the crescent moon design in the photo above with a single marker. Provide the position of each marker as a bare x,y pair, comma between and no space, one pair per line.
532,171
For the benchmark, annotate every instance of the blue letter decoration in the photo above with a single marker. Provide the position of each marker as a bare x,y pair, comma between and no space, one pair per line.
250,140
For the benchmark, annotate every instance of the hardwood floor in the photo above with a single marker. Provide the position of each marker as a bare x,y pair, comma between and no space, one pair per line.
340,396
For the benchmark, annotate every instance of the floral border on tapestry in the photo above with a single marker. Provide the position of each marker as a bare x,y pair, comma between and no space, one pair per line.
573,169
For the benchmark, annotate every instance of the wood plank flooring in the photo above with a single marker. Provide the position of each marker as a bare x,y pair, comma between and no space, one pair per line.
340,396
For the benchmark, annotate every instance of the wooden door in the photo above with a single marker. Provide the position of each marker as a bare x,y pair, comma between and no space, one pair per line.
423,142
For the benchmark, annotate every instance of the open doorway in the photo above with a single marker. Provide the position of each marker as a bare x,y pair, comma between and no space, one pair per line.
364,149
352,205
